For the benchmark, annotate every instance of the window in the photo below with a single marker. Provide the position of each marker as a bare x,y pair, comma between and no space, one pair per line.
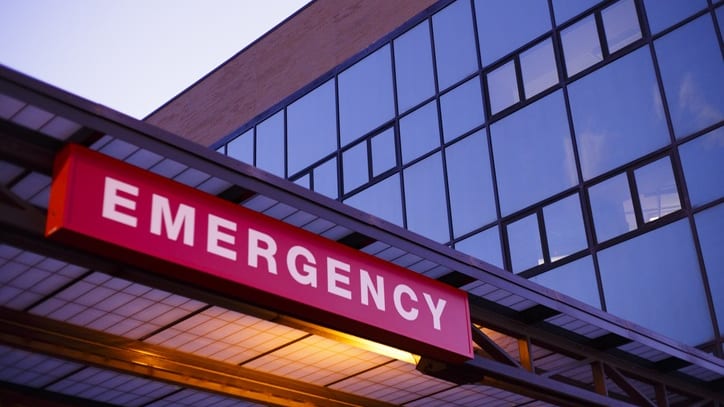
581,46
503,87
413,67
701,159
454,43
354,167
462,109
621,24
566,9
576,279
312,127
382,199
419,132
270,144
663,14
709,225
564,227
612,207
425,199
242,147
484,245
657,190
325,178
538,67
384,153
524,242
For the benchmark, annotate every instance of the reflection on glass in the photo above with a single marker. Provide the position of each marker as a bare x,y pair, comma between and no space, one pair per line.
621,24
503,87
304,181
576,279
484,245
425,199
325,178
270,144
413,67
242,147
524,242
383,152
617,114
657,189
354,167
538,67
454,43
314,114
691,69
471,186
709,225
701,159
565,9
419,132
613,212
462,109
520,20
533,154
581,47
564,227
664,14
654,280
365,95
381,199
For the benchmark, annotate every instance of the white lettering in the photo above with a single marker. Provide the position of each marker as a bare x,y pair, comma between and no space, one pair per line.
215,236
334,277
267,252
185,216
111,200
410,315
378,292
435,309
310,276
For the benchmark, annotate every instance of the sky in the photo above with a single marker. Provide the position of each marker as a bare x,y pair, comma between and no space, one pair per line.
130,55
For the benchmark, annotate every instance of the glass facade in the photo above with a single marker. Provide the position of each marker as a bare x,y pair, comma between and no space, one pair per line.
576,143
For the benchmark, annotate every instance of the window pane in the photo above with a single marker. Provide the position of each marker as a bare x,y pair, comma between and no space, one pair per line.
471,186
311,127
304,181
581,46
365,95
621,24
701,158
657,189
664,14
503,87
520,21
524,241
691,69
710,227
462,109
425,199
454,43
413,67
566,9
617,114
383,152
354,167
382,199
564,227
612,207
419,132
654,280
538,66
533,154
325,178
484,245
242,147
270,144
576,279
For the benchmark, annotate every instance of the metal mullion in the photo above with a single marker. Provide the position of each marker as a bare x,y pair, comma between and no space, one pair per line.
543,235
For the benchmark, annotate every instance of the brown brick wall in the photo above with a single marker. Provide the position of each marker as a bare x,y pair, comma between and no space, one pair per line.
320,37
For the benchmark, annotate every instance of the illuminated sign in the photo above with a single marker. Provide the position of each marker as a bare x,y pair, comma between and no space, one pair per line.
132,215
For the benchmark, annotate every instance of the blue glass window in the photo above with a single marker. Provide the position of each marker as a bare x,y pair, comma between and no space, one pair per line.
664,14
304,180
617,114
354,167
581,46
382,199
472,201
538,67
503,87
657,190
462,109
425,199
621,24
524,242
325,178
612,208
365,95
419,132
484,245
413,67
564,227
710,227
270,144
691,69
566,9
454,43
654,280
576,279
533,154
520,20
384,155
311,127
242,147
702,158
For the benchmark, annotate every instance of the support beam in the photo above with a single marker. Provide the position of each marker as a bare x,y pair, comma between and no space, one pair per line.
491,348
625,385
526,354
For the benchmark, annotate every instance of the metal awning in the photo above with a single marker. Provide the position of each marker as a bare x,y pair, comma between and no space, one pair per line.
71,318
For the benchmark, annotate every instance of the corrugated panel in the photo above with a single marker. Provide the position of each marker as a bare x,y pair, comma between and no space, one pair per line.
471,396
643,351
32,369
194,398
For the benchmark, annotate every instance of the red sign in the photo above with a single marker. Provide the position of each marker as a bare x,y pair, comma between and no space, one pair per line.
124,212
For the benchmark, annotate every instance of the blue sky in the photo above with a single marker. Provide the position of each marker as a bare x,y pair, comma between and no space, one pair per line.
130,55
